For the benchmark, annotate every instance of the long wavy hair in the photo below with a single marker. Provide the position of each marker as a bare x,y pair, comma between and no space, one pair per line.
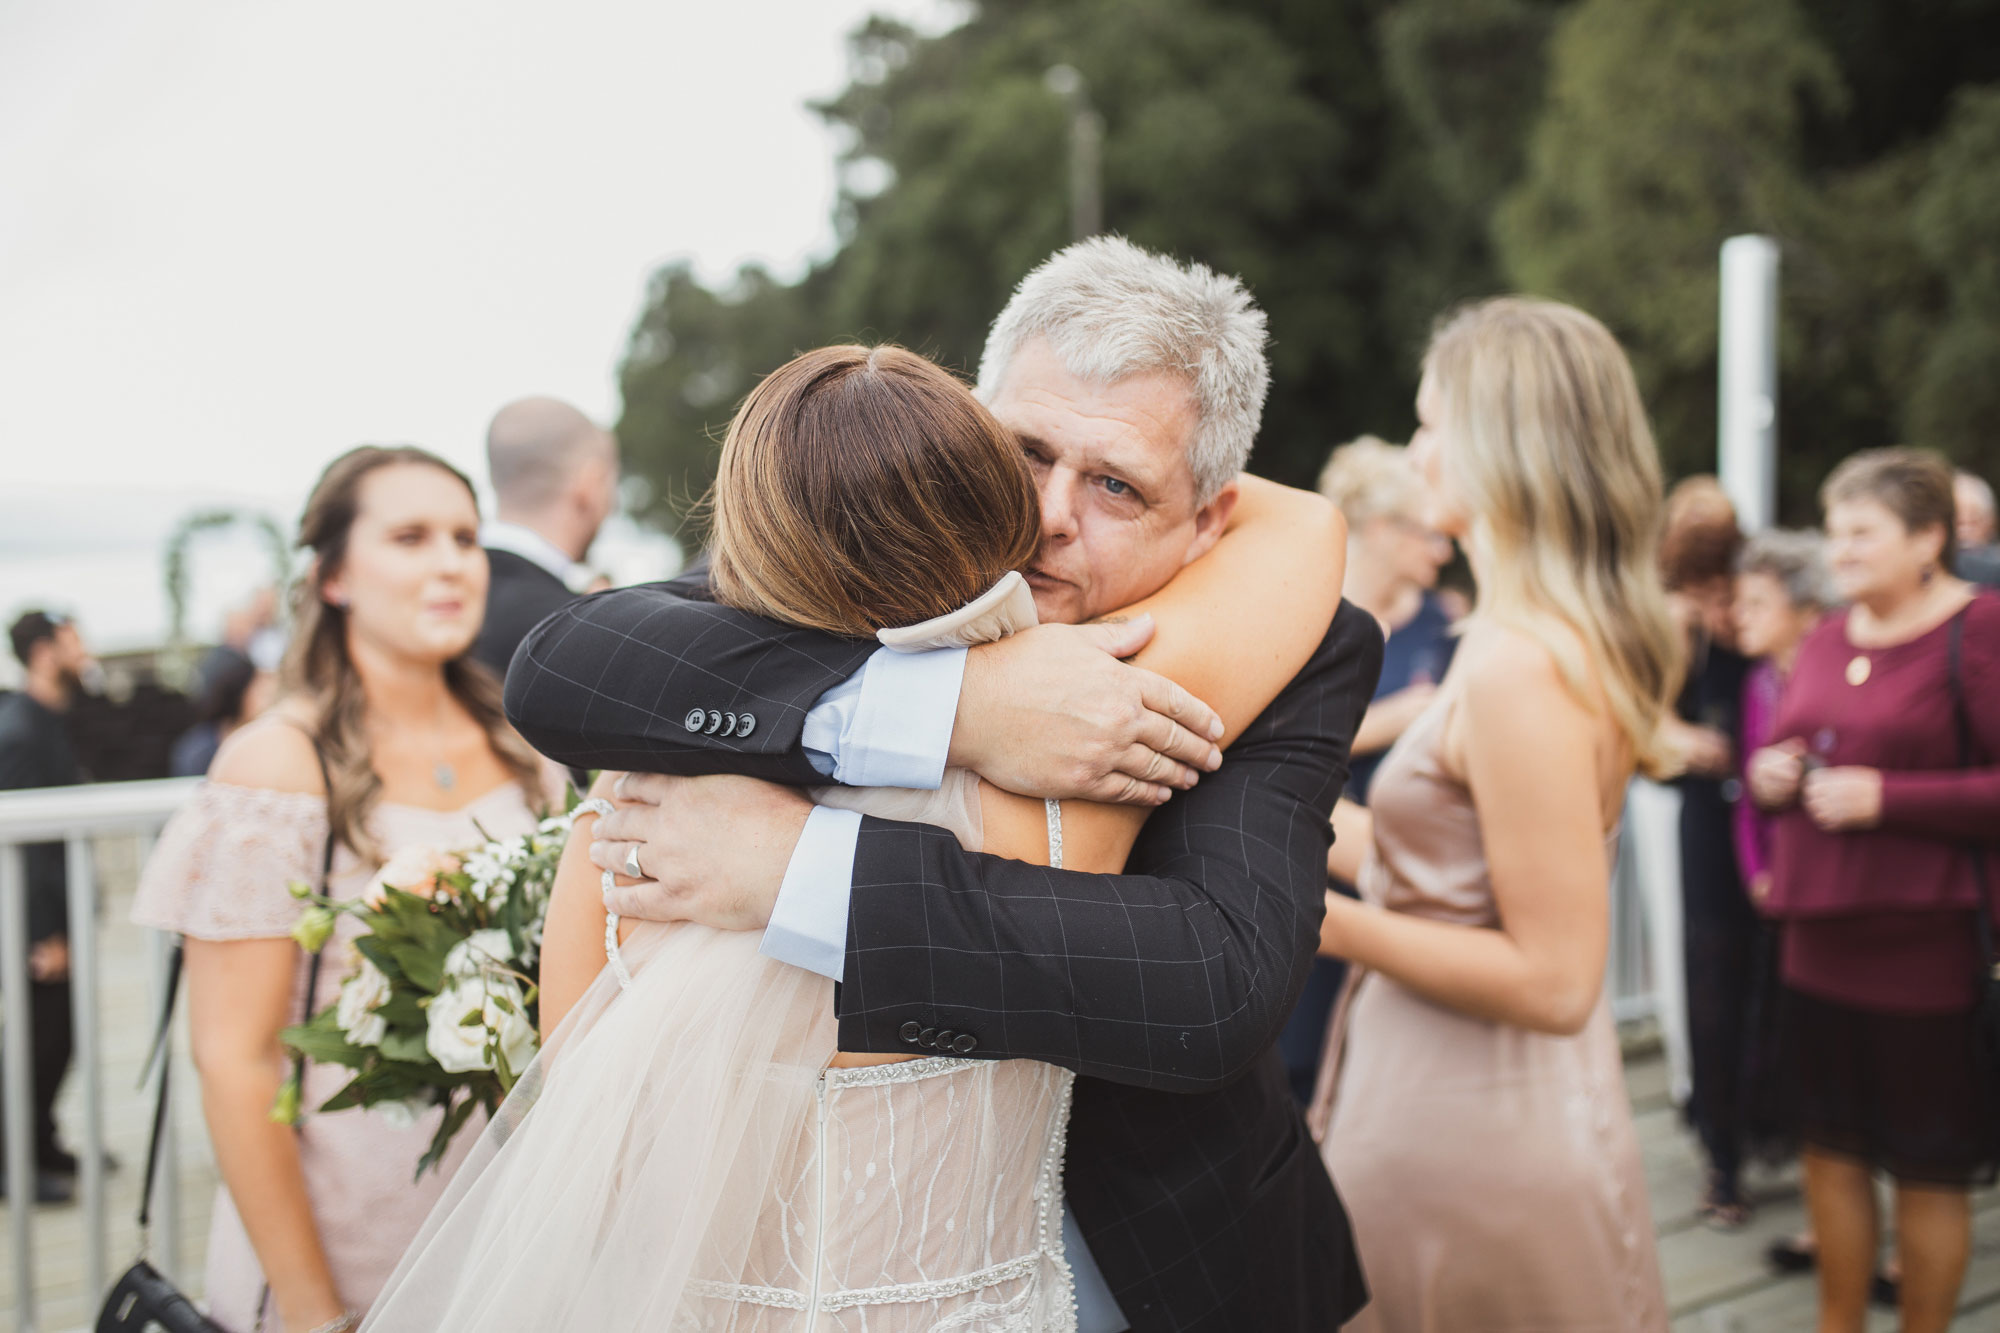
862,488
318,668
1550,450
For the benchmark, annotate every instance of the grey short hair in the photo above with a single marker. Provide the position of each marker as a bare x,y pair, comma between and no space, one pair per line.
1110,309
1370,478
1982,490
1796,560
535,446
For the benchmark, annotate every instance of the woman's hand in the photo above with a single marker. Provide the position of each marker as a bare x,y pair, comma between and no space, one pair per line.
1840,799
1332,931
1702,751
1776,772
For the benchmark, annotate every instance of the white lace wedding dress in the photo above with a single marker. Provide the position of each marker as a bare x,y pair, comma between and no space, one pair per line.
682,1158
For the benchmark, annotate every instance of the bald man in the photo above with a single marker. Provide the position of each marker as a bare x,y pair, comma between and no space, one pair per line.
555,477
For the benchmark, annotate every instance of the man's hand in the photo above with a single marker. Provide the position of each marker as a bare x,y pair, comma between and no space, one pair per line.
1702,751
1839,799
712,849
1052,713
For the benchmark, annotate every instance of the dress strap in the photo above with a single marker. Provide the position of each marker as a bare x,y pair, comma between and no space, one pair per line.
1054,809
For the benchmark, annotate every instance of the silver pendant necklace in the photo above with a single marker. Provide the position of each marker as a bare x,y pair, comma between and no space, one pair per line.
444,775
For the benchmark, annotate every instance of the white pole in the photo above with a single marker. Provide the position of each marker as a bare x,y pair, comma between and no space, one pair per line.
1747,379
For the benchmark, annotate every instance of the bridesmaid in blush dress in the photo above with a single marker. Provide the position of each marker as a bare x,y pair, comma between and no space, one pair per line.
388,739
1470,1105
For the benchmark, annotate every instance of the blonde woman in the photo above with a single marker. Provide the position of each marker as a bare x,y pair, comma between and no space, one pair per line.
387,740
1471,1106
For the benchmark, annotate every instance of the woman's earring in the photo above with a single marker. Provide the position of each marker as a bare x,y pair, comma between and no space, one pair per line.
1930,572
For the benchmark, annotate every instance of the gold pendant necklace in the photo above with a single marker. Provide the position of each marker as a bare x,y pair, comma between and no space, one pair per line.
1858,669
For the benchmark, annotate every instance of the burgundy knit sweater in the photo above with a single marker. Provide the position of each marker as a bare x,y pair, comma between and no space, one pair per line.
1882,918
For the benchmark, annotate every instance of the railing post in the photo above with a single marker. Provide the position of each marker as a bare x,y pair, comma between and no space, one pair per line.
167,1189
18,1067
89,1067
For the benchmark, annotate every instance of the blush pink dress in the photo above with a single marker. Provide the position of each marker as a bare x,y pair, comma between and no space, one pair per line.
220,872
1491,1173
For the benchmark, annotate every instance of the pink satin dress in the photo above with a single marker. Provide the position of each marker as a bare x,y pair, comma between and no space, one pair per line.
1492,1174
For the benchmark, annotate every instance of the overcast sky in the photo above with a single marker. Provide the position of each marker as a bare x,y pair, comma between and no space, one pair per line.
237,236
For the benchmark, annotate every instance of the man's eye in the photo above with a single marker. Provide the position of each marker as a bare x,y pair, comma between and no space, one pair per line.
1117,487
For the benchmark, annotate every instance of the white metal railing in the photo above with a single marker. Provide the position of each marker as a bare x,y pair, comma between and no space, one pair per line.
73,816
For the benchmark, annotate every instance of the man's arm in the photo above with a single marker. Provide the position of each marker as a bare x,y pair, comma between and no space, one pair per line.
1174,975
660,679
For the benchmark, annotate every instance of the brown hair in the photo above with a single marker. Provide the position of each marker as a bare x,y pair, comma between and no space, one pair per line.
1702,538
317,665
1913,484
862,488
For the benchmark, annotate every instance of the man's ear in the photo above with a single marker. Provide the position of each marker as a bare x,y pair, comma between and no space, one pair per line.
1210,521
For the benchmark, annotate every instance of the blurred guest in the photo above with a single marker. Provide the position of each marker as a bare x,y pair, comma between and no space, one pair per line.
1781,593
555,481
387,742
1393,558
1719,927
1883,782
230,691
1978,555
35,752
1471,1105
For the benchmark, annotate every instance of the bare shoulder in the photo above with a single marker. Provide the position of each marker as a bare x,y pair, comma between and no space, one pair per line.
1514,684
1308,511
272,752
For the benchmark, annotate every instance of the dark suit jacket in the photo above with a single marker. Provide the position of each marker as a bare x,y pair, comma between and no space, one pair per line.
1189,1169
520,595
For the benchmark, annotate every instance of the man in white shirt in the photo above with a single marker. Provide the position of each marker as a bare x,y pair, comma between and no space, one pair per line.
555,476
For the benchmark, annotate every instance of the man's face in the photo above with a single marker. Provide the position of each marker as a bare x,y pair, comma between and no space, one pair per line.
70,657
1119,517
1975,520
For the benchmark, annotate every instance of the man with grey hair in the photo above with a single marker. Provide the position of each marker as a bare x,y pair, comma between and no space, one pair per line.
555,481
1194,1197
1978,554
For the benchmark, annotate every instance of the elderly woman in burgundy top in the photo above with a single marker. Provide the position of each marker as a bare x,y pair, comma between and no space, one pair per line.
1876,888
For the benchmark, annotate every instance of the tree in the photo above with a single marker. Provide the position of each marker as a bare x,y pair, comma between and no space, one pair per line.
1260,137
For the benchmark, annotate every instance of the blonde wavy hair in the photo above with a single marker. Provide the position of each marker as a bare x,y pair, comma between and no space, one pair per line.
1550,452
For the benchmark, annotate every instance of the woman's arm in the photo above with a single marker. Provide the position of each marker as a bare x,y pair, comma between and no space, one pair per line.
239,1000
1531,759
1268,591
1240,622
573,934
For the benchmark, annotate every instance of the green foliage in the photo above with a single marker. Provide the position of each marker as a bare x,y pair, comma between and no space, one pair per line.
1365,164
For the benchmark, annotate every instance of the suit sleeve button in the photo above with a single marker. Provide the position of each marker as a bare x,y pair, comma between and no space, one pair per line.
966,1043
944,1037
910,1032
714,722
928,1037
729,724
745,724
696,719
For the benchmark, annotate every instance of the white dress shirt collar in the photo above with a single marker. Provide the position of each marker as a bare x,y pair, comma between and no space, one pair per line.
532,546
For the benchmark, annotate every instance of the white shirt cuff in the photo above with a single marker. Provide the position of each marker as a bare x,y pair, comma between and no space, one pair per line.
890,725
809,921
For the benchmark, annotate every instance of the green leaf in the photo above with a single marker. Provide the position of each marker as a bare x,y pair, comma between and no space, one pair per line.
375,951
423,967
454,1121
405,1047
325,1043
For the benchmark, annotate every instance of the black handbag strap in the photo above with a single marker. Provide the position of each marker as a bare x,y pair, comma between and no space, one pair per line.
162,1035
1983,916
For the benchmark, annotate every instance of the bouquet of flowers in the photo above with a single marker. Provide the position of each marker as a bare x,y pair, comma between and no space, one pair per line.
441,1010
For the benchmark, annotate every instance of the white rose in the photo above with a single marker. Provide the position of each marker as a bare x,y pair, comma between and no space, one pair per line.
460,1047
478,951
360,996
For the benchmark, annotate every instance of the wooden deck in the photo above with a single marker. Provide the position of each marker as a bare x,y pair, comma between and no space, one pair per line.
1716,1283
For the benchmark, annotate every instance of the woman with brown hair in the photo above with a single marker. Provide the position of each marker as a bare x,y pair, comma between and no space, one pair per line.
389,742
691,1150
1885,789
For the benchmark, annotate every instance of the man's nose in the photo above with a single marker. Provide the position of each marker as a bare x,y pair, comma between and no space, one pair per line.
1061,490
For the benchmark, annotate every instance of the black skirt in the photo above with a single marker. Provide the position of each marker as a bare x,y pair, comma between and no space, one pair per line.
1911,1094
